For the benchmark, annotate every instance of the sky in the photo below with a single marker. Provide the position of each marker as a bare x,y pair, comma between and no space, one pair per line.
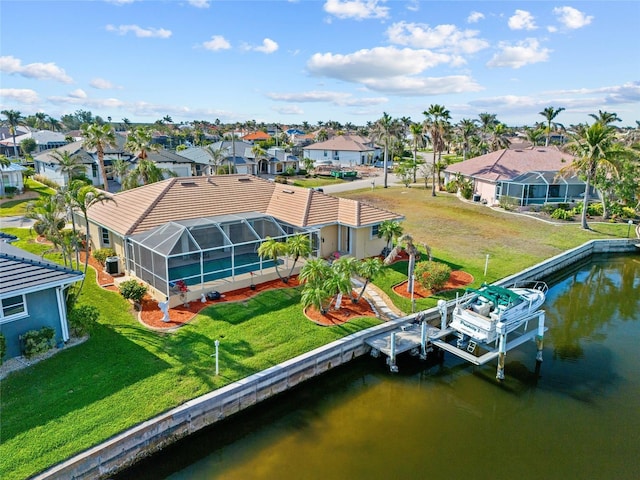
289,61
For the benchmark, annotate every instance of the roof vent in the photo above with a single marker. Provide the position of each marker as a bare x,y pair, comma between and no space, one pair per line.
188,184
288,191
244,179
518,150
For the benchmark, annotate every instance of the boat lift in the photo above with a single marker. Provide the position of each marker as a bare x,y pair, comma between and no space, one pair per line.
421,338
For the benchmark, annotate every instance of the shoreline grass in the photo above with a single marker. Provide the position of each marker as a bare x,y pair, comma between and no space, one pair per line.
125,374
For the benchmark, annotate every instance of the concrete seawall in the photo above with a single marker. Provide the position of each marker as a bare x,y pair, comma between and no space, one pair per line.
142,440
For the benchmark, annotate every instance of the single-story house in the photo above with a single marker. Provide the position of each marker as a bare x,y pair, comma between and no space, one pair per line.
343,151
32,295
206,230
11,176
530,175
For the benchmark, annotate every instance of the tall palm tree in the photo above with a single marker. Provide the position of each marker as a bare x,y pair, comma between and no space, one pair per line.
534,135
605,118
550,114
418,141
273,249
70,165
99,137
120,169
41,120
487,121
139,141
499,138
437,118
592,149
13,119
466,129
145,173
216,157
49,216
405,241
81,198
54,124
385,130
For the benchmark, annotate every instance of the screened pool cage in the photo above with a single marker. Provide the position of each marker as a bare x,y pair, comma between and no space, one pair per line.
543,187
203,251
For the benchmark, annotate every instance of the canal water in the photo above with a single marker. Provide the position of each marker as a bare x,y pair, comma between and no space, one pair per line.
575,416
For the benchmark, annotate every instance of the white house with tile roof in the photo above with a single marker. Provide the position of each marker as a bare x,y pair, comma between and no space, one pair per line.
192,225
343,151
530,175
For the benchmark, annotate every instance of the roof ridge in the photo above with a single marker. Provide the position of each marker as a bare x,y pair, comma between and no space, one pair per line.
38,263
151,206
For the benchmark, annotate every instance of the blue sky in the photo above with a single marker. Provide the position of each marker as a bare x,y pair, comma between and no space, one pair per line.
307,60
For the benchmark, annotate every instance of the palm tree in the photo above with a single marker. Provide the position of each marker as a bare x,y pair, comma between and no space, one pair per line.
82,197
385,130
49,219
389,229
273,249
368,269
70,165
216,157
534,135
437,117
139,141
54,124
4,161
499,138
14,118
406,242
145,173
41,120
487,122
297,246
466,129
259,154
339,281
549,114
417,135
592,149
99,137
120,169
605,118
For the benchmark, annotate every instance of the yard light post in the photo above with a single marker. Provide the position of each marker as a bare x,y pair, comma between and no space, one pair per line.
217,344
629,227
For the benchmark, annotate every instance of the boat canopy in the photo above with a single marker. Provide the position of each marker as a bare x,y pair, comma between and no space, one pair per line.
498,295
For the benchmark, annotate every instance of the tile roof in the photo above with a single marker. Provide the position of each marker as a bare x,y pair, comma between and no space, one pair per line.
345,143
22,271
256,136
507,164
140,209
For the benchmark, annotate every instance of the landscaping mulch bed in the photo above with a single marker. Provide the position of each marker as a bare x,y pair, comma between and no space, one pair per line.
348,310
457,279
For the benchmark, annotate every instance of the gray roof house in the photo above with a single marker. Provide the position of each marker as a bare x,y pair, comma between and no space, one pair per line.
244,157
32,296
344,151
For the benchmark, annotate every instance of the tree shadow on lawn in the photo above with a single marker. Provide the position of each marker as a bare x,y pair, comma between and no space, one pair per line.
73,379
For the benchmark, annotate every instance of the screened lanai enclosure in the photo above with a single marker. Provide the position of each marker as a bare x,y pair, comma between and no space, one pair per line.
543,187
207,250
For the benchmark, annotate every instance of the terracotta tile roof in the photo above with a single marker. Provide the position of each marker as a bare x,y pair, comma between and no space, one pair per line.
345,143
135,211
256,136
507,164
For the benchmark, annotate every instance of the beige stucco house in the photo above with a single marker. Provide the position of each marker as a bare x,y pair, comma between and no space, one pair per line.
206,231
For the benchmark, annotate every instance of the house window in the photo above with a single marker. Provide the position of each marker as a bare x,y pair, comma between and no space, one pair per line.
325,153
94,170
374,231
12,307
104,233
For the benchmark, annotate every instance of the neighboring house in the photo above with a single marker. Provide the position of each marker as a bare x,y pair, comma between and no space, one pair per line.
244,158
32,295
6,139
530,175
172,162
344,151
12,177
278,161
45,140
48,165
207,230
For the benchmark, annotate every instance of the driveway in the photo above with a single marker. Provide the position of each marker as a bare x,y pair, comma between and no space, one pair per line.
16,222
369,182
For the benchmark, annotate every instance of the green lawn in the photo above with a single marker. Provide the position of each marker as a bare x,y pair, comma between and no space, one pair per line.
18,205
125,374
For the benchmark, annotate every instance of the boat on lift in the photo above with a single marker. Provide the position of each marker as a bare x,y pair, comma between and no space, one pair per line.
477,313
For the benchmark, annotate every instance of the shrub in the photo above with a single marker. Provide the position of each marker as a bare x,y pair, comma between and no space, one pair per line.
432,275
452,187
302,171
595,209
281,179
35,342
508,203
628,212
466,189
10,190
40,228
562,214
102,254
548,208
82,318
46,181
133,290
3,347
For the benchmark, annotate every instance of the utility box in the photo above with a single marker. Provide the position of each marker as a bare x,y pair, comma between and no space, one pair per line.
112,265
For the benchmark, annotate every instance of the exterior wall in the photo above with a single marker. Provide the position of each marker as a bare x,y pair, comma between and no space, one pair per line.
180,169
328,240
487,191
11,179
343,158
42,308
364,245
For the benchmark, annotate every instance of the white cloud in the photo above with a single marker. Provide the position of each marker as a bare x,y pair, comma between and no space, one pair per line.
268,46
319,96
413,5
572,18
523,53
217,42
475,17
120,2
356,9
102,84
139,32
289,110
522,20
78,93
380,62
199,3
38,71
80,98
626,93
419,86
20,95
440,37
